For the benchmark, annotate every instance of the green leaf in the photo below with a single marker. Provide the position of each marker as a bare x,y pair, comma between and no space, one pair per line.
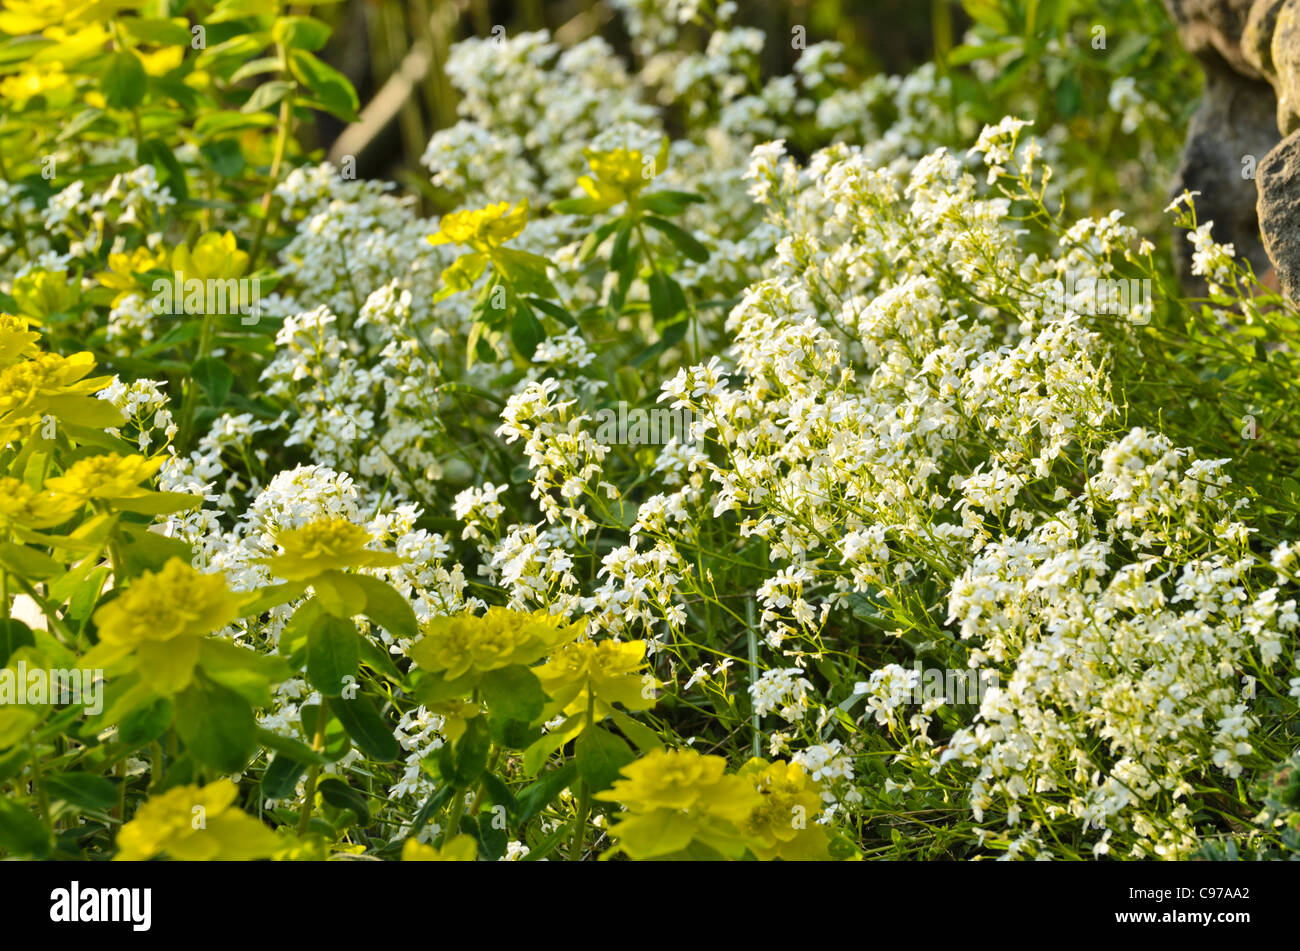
386,607
333,653
600,755
124,81
21,48
342,796
300,33
646,739
293,749
535,756
281,777
267,95
536,797
21,832
215,377
335,92
28,562
217,725
146,724
171,174
159,503
367,728
668,202
337,741
471,753
339,594
514,693
552,310
685,242
13,635
526,333
81,789
158,32
527,272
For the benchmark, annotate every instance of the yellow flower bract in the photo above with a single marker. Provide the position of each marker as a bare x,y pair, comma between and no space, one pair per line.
196,824
610,671
484,229
161,619
462,848
462,644
329,544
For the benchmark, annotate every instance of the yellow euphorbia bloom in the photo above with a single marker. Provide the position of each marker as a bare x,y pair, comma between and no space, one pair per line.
610,671
106,477
51,383
17,342
329,544
162,619
463,643
30,16
123,269
783,826
675,798
23,506
485,229
39,294
462,848
163,61
213,257
47,80
618,175
196,824
72,45
456,715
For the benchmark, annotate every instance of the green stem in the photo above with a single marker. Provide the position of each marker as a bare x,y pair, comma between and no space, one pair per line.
313,772
281,146
38,782
584,792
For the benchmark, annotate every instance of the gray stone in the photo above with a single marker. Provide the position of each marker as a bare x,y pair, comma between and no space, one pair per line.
1214,26
1279,212
1228,137
1285,54
1257,37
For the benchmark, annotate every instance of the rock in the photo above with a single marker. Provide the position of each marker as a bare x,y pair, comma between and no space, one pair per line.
1214,26
1257,37
1279,211
1285,55
1226,140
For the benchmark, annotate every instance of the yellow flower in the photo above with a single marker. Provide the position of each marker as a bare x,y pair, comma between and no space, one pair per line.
328,544
215,257
463,644
456,715
485,229
677,798
39,294
611,671
73,45
123,269
51,383
161,619
462,848
16,341
107,477
49,81
29,16
24,506
195,824
163,61
783,825
619,175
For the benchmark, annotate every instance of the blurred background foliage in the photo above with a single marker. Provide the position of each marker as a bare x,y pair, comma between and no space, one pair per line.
1056,61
